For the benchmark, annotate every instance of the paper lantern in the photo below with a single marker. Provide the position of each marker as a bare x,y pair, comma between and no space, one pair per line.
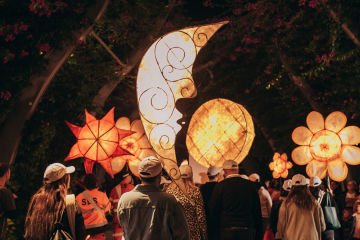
165,75
220,130
97,141
326,145
280,165
136,144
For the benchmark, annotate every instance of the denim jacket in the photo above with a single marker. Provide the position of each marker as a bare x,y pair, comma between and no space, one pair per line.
147,213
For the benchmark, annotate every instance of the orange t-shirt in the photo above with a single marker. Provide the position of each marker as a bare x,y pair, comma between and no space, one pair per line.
93,217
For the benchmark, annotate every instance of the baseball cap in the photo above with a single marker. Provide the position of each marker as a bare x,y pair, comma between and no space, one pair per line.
56,171
213,171
315,181
150,167
299,180
186,171
287,185
230,164
254,177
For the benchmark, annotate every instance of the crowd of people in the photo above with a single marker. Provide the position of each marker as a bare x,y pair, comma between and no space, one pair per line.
231,205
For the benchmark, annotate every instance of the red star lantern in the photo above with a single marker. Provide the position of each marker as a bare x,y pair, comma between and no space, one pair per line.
97,141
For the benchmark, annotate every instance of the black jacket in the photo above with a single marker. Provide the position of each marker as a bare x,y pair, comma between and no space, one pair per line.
235,203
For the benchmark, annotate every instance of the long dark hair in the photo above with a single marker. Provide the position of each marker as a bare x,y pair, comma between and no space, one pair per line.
45,209
301,196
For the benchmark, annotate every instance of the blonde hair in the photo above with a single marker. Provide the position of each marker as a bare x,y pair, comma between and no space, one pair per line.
45,209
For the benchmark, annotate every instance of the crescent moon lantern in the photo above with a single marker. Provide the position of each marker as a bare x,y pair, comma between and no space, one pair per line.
165,76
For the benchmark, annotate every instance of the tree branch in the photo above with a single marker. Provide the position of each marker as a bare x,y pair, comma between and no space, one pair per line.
344,26
106,90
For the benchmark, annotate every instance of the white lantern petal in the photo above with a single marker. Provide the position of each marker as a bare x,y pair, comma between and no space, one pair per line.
315,121
301,155
351,155
335,121
350,135
337,170
123,123
316,168
301,135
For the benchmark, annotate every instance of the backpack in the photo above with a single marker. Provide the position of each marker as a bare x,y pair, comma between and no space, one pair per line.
59,233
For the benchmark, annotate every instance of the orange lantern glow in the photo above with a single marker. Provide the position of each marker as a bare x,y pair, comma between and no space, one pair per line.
164,77
97,141
220,130
280,166
326,145
136,144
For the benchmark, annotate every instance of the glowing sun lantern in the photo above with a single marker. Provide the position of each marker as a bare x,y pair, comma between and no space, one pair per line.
220,130
326,145
136,144
97,141
280,165
164,77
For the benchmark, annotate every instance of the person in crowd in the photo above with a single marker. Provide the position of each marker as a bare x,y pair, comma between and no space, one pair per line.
235,207
317,192
300,215
51,206
274,215
192,203
351,193
347,224
338,190
126,185
315,188
7,201
147,213
206,189
356,221
94,206
274,190
265,200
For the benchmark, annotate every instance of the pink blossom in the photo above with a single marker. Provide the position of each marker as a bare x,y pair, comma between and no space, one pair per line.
232,57
249,40
313,3
9,38
45,47
8,57
6,95
302,2
251,6
23,26
278,22
24,53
